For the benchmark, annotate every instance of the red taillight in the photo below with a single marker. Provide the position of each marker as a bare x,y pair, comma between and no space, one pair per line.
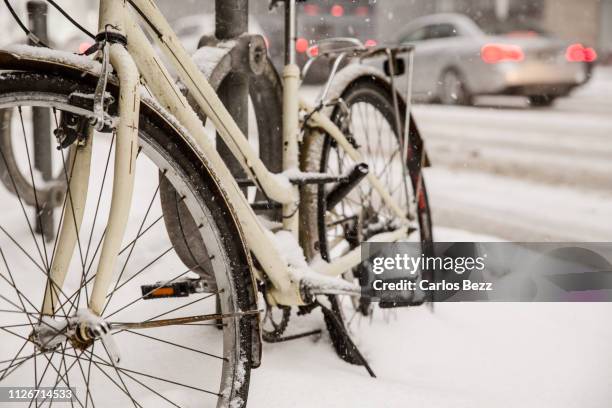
578,53
337,10
371,43
301,45
590,55
311,9
494,53
575,53
362,11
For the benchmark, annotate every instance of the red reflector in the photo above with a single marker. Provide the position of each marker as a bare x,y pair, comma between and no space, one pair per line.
371,43
494,53
301,45
311,9
362,11
84,47
337,10
313,51
162,292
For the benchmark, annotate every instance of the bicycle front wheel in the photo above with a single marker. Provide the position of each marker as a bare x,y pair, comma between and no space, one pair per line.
185,364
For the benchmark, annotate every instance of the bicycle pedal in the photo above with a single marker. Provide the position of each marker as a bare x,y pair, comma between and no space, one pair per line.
179,288
344,187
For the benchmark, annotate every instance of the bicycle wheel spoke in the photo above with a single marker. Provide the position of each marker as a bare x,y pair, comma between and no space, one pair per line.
77,227
62,377
97,365
93,226
39,209
14,286
183,306
133,245
154,377
25,214
119,376
147,266
35,372
67,376
95,217
64,203
141,234
3,375
22,250
42,376
176,345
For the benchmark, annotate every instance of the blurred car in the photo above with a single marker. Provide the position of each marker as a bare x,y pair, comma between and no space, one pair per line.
190,29
456,60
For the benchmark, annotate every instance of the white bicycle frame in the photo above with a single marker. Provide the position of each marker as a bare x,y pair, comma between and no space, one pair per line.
140,60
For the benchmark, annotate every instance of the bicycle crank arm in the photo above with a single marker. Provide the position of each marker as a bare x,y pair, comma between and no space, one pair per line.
179,321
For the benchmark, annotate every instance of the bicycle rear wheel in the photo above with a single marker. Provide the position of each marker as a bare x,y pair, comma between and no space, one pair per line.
368,118
187,364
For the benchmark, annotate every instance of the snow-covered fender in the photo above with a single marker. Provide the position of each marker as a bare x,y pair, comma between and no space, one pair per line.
84,69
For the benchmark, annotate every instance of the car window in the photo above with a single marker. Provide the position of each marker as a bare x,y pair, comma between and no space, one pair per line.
436,31
416,35
513,28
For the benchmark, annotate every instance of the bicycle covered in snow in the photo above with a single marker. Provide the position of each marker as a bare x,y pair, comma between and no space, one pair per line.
156,301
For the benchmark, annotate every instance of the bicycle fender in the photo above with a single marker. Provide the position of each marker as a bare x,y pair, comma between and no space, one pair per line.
355,72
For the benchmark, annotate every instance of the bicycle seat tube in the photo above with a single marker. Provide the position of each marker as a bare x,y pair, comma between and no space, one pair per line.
291,83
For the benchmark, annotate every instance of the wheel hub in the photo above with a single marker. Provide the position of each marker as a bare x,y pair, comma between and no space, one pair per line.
81,330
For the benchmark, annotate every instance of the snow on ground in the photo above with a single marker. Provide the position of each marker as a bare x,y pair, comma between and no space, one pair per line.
460,355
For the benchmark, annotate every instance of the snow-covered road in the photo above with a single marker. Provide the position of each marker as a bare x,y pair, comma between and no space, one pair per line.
524,174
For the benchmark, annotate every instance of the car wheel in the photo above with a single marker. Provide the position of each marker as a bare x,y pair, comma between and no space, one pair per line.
541,100
453,90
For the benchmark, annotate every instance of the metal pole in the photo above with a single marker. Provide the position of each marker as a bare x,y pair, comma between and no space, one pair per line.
41,124
232,20
290,32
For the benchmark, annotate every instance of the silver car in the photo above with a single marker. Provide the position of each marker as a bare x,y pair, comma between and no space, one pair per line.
457,60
